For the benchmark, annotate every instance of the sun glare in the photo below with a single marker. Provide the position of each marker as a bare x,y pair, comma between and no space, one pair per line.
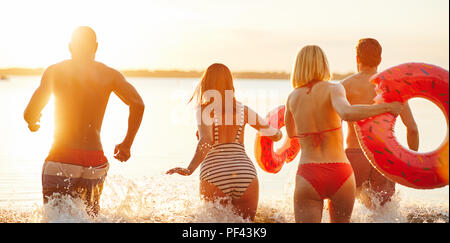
42,38
191,34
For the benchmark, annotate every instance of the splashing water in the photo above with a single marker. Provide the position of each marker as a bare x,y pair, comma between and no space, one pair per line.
169,199
130,197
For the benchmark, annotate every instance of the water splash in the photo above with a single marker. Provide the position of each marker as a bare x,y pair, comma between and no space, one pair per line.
170,199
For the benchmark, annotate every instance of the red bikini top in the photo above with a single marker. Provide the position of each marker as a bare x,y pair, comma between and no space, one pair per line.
317,136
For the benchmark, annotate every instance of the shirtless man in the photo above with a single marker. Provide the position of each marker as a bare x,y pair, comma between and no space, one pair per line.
76,164
369,182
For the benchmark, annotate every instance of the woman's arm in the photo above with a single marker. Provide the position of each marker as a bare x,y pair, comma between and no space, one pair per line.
203,147
261,125
204,144
289,121
352,113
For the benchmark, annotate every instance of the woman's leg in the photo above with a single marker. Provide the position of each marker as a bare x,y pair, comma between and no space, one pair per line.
211,193
308,205
247,204
341,203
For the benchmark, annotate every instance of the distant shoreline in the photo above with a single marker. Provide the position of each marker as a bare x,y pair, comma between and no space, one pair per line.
168,74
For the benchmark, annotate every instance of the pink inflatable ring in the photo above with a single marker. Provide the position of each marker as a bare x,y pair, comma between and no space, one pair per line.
376,134
269,160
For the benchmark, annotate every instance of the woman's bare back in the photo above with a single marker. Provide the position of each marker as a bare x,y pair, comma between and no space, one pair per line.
317,124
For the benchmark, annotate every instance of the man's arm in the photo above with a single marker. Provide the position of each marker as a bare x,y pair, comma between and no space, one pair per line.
128,94
39,100
411,127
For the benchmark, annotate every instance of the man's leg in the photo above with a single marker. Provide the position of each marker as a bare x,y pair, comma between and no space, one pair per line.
91,187
360,165
58,180
382,188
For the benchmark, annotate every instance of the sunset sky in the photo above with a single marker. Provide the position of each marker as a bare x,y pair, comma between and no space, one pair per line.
246,35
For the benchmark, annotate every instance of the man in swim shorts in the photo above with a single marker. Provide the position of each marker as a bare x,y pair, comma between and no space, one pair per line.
76,165
370,184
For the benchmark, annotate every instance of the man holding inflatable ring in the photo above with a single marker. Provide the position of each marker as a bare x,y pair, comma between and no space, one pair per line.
370,184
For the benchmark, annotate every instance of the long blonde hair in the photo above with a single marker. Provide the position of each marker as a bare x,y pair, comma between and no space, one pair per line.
310,65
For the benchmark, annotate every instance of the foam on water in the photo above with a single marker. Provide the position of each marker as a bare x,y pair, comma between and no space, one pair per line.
167,199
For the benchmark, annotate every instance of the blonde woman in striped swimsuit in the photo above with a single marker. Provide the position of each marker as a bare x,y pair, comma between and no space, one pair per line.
226,174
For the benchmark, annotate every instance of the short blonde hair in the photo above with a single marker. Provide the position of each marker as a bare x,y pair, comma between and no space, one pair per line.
311,64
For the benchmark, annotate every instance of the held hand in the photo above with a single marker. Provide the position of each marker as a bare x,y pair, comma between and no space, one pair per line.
395,108
34,127
122,152
179,170
277,136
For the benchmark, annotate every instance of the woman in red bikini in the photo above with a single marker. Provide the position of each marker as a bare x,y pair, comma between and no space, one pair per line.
314,113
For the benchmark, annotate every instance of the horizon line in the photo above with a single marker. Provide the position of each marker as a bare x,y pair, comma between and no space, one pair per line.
170,73
41,69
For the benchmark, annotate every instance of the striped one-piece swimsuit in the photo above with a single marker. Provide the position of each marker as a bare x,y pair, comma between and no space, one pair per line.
227,166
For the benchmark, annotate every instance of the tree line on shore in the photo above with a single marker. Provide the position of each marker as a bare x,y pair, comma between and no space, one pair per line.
171,73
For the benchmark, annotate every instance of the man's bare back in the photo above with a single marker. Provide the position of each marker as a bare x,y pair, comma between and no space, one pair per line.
76,165
81,87
81,92
359,91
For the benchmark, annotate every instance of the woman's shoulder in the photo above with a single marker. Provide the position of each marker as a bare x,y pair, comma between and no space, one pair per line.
332,86
293,94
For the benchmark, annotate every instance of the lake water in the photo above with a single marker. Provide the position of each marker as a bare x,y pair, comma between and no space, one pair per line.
139,191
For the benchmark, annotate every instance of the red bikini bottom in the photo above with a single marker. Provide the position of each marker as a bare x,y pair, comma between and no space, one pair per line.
326,178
